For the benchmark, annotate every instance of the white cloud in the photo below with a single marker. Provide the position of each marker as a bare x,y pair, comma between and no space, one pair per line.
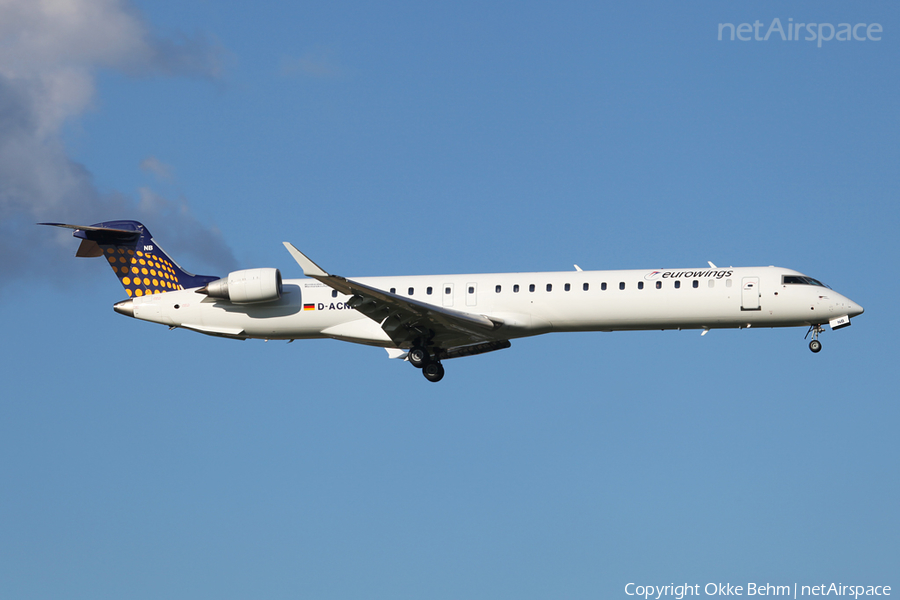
50,51
151,164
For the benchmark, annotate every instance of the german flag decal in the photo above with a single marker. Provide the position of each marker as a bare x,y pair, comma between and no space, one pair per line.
309,307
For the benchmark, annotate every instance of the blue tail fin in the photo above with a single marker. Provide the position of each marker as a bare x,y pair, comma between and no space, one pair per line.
141,266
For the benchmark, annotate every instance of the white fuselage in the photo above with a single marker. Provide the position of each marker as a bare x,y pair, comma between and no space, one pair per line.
526,303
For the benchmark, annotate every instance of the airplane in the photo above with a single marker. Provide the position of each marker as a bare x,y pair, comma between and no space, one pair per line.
427,319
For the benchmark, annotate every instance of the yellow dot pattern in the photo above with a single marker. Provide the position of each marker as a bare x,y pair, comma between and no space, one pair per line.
142,273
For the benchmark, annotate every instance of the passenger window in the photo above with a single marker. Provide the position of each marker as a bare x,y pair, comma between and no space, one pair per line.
568,287
447,291
602,286
640,285
411,291
428,290
712,283
696,283
621,285
677,284
659,285
586,286
393,290
471,290
727,283
549,287
516,289
334,293
497,289
531,288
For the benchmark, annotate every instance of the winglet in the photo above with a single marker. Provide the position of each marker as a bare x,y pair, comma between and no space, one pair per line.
310,269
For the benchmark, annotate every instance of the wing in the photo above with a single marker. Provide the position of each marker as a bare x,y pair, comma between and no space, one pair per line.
404,319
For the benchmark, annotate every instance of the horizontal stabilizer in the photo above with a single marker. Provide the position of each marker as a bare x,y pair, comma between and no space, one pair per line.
103,235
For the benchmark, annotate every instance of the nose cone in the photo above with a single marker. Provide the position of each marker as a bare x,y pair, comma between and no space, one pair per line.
855,309
125,307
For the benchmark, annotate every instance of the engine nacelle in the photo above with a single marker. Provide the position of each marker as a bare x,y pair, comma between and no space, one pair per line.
247,286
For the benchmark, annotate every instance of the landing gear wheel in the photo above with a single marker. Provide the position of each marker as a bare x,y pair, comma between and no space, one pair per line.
815,345
418,357
433,371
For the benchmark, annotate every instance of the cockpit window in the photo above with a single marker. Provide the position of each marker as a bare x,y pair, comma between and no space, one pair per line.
801,280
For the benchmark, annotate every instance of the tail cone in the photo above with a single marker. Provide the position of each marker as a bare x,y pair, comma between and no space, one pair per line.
125,307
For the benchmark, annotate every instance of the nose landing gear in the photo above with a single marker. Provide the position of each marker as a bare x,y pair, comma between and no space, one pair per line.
815,345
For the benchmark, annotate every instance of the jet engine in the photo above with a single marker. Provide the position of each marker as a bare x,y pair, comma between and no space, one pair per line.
246,287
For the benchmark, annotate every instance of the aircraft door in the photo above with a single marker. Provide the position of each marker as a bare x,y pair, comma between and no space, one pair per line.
448,294
471,294
750,293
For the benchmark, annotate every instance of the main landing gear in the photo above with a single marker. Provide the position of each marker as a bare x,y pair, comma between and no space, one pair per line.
815,345
433,371
420,358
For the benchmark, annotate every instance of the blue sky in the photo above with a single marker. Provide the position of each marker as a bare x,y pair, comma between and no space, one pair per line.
408,139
